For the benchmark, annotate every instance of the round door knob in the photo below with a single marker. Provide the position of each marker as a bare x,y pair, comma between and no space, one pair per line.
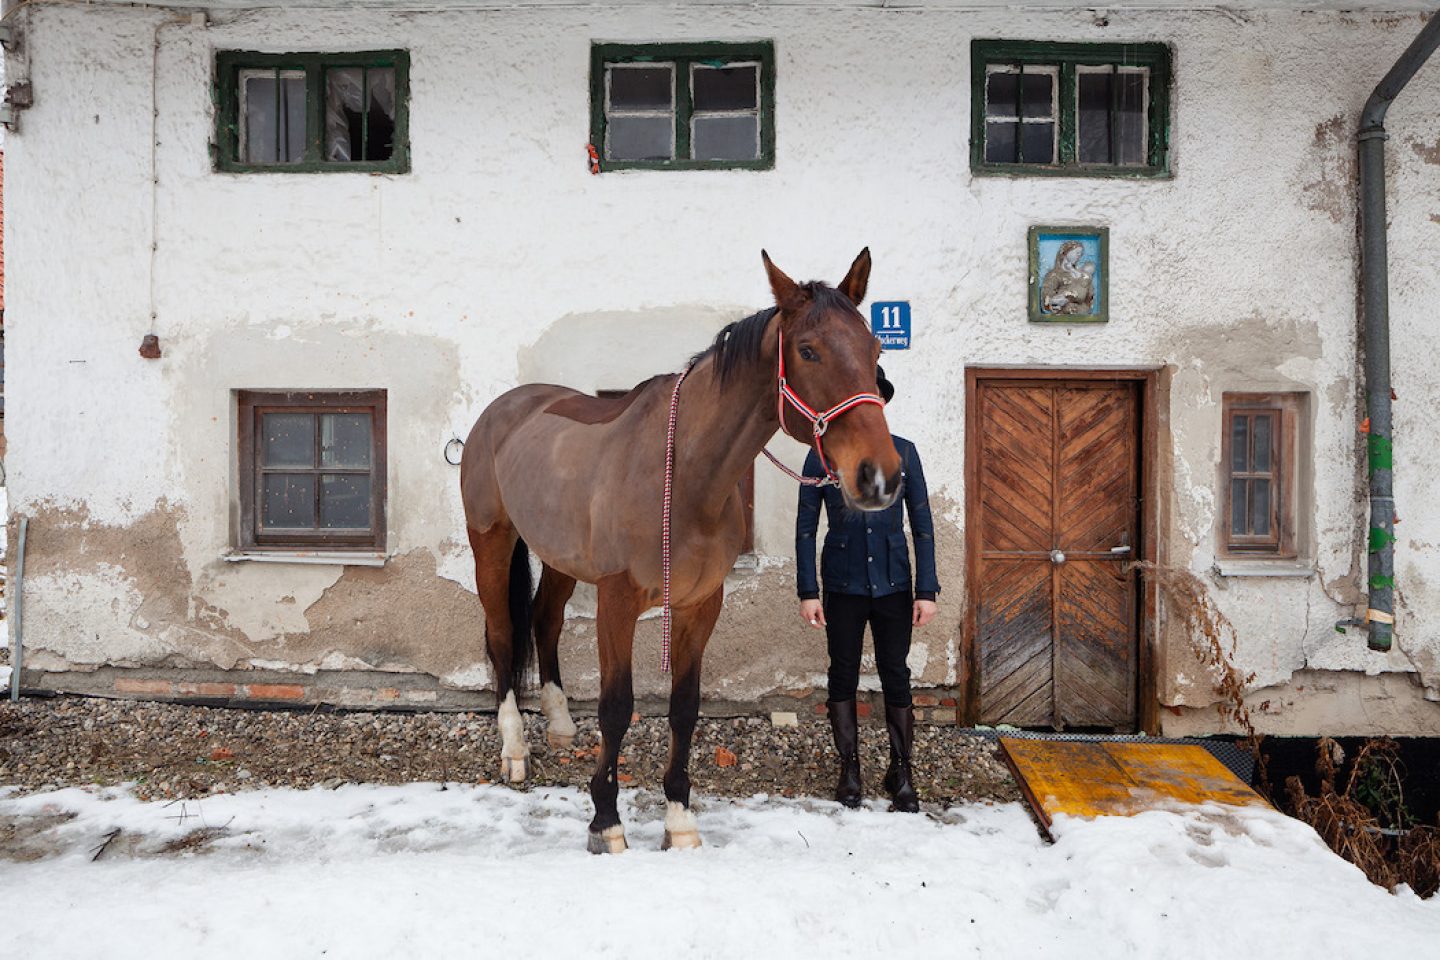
1057,557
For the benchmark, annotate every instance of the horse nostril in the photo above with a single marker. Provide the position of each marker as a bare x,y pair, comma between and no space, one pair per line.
866,475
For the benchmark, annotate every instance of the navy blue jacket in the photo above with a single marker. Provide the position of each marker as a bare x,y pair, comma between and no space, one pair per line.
866,553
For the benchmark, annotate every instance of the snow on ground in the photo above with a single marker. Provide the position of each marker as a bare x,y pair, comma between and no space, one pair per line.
416,871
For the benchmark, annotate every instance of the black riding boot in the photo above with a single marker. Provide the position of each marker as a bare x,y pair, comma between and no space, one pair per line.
842,722
900,721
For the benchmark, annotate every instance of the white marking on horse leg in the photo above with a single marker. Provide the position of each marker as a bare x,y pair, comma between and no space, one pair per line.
559,728
681,830
609,840
514,752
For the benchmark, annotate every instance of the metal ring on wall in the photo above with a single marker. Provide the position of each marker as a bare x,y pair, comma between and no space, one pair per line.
456,444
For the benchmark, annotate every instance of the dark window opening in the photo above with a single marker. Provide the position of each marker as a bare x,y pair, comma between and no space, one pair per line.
1070,108
313,112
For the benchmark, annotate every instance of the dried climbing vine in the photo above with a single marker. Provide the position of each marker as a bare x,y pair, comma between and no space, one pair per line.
1360,812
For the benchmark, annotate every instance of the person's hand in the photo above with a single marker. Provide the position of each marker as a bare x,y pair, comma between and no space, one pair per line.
924,612
812,613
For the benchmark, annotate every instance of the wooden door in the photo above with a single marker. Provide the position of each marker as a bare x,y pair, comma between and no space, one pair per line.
1054,527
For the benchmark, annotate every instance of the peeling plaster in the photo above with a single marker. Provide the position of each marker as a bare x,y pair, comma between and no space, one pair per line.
499,259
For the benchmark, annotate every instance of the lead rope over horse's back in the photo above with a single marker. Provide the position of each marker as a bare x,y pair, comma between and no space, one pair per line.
820,422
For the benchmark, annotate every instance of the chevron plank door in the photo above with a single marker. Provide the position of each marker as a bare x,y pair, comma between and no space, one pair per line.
1056,511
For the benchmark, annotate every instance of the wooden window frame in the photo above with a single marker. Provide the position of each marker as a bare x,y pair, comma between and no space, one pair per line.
252,404
230,63
683,57
1284,453
1068,57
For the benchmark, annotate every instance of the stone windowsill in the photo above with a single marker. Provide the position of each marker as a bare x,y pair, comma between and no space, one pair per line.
341,558
1294,569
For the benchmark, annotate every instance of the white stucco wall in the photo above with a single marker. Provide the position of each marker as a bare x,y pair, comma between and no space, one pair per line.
500,259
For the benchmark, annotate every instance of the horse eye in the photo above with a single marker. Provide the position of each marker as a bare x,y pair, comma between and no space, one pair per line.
807,354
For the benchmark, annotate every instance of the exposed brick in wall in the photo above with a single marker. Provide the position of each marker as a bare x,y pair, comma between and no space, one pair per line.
418,692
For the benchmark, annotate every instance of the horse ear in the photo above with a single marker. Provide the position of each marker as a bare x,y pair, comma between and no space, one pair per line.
855,282
789,295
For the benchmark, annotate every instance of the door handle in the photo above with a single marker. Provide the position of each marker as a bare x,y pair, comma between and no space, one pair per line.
1123,548
1056,557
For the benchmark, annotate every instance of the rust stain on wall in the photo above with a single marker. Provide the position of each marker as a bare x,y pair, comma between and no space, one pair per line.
1429,154
403,612
1331,192
148,551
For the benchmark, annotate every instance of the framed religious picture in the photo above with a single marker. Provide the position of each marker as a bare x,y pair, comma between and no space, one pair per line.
1069,274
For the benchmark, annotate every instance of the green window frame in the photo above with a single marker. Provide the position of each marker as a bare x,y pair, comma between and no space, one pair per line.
1065,63
312,69
685,58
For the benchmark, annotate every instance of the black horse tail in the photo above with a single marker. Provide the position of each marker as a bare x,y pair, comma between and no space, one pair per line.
522,618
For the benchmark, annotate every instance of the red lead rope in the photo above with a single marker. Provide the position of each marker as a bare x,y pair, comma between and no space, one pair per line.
668,614
819,421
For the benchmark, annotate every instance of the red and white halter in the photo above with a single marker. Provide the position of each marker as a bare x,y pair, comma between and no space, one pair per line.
820,422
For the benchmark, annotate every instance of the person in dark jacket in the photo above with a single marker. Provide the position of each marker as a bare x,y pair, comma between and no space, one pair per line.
865,566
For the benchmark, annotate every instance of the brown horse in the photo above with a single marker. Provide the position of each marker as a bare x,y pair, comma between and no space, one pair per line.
581,481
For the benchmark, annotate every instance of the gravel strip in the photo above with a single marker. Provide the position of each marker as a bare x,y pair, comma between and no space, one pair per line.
173,751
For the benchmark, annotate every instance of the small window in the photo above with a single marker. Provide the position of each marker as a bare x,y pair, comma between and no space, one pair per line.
313,112
683,106
1258,467
312,469
1069,108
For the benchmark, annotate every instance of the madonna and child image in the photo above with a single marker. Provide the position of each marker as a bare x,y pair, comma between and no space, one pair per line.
1069,273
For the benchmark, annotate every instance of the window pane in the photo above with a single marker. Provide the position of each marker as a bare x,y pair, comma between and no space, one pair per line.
640,138
344,440
726,88
1239,444
641,88
274,108
1260,507
359,114
288,500
380,132
1001,90
1261,455
1094,119
1130,118
287,440
1038,99
1238,502
726,138
344,94
1000,142
261,135
292,99
1037,144
344,501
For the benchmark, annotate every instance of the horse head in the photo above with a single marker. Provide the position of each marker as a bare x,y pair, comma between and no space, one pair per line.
828,357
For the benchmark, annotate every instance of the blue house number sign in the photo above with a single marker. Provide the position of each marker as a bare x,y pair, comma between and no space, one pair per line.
890,321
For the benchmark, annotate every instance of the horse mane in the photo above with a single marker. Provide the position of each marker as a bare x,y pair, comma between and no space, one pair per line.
742,342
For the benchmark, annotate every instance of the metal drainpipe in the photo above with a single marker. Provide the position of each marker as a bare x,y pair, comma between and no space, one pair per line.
17,613
1380,615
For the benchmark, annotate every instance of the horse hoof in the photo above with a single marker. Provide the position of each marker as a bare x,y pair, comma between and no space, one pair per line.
559,741
609,840
681,830
687,840
513,769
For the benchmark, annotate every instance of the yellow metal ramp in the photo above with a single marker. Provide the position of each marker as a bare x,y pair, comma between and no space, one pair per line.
1082,778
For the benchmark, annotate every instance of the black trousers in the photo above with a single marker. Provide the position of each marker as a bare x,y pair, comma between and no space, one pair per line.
889,618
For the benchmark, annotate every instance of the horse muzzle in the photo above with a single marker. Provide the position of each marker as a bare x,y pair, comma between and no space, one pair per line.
874,490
